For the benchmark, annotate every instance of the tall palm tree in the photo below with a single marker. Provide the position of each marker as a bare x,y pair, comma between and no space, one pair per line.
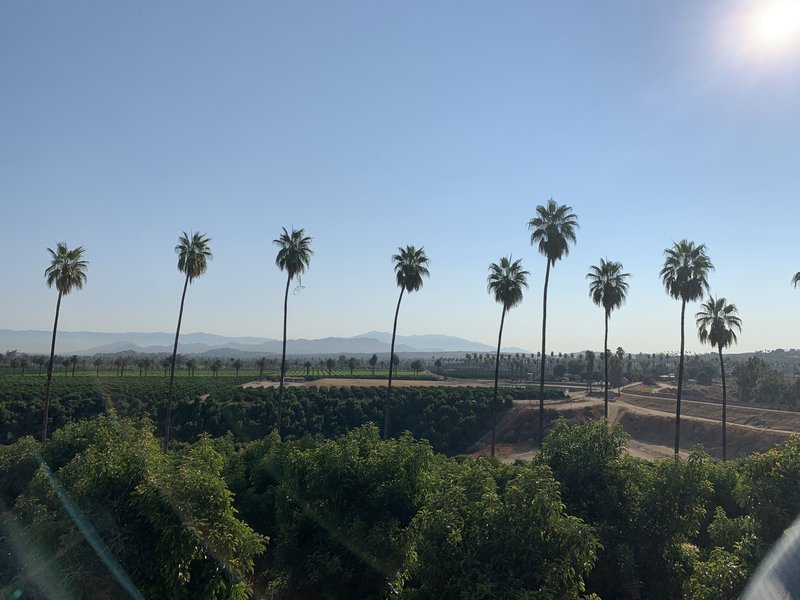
553,229
67,271
293,257
717,323
685,278
193,256
506,282
608,288
410,266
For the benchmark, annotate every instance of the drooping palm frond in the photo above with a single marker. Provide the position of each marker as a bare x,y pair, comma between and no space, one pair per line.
193,254
553,229
718,322
796,279
607,285
506,281
410,266
685,271
295,252
67,270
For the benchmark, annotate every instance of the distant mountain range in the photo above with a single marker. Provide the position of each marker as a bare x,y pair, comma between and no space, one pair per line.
208,344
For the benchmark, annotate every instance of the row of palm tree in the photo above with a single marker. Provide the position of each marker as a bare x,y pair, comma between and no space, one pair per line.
684,275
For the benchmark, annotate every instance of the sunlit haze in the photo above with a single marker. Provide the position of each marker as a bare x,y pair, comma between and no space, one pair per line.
777,24
379,124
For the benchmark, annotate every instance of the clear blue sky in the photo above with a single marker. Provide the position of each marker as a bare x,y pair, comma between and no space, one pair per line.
379,124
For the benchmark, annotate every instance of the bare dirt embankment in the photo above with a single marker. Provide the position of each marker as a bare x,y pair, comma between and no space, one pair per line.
651,424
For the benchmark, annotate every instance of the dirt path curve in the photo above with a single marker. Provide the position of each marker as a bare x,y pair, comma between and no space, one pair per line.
347,382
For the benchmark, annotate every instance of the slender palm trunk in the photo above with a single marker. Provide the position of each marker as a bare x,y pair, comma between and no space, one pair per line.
50,371
172,366
680,384
724,408
496,377
391,367
544,338
283,355
605,362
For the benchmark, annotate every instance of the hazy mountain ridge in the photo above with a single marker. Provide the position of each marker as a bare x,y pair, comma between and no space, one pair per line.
207,344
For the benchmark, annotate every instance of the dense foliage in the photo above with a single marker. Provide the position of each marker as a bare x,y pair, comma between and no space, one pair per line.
333,511
756,381
100,511
451,418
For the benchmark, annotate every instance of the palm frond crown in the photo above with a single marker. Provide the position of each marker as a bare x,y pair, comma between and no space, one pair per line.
295,252
507,280
718,322
553,229
67,270
410,266
607,284
685,271
796,279
193,254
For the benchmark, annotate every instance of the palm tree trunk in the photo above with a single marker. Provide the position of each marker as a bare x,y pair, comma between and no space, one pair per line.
391,366
680,385
283,355
724,408
50,371
172,366
496,377
544,338
605,362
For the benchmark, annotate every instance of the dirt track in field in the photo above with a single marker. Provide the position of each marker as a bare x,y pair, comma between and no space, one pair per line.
342,382
651,424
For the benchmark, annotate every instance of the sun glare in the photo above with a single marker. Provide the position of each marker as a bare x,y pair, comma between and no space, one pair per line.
777,24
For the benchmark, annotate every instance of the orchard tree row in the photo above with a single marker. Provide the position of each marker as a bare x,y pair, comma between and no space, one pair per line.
102,512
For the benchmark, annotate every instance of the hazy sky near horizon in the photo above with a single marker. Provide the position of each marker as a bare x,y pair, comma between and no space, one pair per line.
379,124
